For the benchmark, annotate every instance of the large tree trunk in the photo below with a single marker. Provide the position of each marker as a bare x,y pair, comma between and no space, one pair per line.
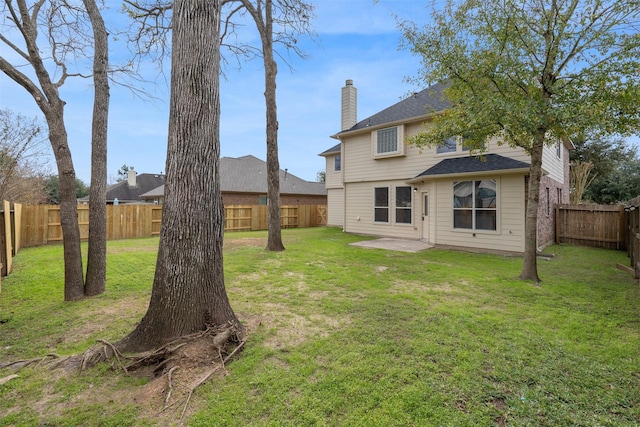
530,265
97,253
274,239
188,289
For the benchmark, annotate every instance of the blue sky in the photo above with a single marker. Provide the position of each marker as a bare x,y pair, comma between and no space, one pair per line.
356,39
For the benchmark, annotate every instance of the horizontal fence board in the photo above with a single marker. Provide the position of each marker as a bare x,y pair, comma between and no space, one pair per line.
41,223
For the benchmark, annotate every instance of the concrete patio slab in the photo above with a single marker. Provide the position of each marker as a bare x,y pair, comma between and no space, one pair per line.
394,244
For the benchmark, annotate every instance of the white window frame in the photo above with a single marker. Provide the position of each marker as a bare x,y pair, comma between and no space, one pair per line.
401,145
460,148
409,208
377,207
337,163
475,209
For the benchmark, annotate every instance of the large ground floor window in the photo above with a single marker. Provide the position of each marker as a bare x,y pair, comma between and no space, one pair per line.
474,204
402,206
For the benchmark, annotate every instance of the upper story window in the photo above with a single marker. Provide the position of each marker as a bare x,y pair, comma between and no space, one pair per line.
388,142
559,149
451,144
337,163
447,146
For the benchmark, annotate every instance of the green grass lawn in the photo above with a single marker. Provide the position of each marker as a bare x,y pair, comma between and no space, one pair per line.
342,335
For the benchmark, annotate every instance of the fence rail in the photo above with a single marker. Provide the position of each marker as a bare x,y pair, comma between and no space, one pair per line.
41,223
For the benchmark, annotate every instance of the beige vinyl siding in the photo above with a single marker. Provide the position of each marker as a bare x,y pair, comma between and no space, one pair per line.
359,212
335,207
359,165
510,217
332,178
552,164
505,150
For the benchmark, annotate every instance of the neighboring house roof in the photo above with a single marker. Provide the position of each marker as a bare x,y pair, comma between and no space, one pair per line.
427,101
248,174
474,164
126,193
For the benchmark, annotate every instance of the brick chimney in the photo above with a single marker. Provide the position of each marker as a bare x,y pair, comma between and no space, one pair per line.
131,177
349,105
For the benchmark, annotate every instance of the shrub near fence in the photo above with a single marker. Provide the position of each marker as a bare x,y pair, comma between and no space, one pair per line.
41,223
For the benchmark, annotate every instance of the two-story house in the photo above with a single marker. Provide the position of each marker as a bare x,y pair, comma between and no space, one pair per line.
378,184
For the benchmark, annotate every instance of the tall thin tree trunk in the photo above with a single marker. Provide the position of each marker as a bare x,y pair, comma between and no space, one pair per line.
188,289
530,264
274,239
52,107
73,274
97,252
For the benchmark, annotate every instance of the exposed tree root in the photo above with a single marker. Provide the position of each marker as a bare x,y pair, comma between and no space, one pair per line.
176,369
24,363
207,375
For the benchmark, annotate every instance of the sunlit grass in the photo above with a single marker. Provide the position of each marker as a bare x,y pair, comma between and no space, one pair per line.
344,335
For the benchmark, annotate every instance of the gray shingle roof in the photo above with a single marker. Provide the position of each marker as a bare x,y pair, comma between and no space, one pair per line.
474,164
427,101
127,194
333,150
248,174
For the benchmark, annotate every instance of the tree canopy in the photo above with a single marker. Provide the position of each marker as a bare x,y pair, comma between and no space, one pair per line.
613,165
528,72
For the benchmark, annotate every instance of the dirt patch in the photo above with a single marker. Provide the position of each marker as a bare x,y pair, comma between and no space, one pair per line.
232,243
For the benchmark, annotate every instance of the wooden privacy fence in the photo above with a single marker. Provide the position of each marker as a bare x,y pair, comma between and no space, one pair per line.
10,232
632,223
41,223
601,226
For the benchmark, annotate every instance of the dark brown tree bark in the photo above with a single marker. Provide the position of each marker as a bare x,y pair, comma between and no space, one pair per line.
97,251
188,290
262,15
48,99
530,264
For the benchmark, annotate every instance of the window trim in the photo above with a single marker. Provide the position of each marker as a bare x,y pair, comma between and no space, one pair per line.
401,145
337,163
